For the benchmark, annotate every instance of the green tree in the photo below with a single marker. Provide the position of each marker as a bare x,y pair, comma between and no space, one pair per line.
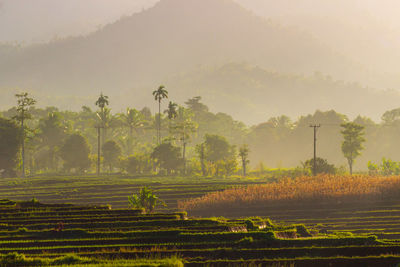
352,145
159,95
75,153
24,104
389,167
230,166
134,120
200,150
195,105
51,134
217,148
184,127
217,151
146,200
321,166
167,157
244,157
172,110
132,165
111,153
10,142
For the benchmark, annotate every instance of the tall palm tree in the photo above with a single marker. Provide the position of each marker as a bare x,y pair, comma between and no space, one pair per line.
102,102
159,95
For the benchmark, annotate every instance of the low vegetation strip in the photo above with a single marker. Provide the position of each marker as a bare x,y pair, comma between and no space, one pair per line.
322,188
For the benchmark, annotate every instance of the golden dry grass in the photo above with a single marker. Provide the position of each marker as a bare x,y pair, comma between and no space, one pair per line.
319,188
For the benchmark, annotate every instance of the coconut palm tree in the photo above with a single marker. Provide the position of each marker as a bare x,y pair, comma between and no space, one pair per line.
102,102
159,95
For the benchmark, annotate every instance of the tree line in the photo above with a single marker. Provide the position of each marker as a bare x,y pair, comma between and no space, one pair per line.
75,142
185,139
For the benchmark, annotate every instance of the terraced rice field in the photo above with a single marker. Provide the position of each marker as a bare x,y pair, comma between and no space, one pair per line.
99,234
112,190
339,234
374,218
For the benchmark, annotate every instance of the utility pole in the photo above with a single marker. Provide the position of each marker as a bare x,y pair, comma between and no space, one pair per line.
315,126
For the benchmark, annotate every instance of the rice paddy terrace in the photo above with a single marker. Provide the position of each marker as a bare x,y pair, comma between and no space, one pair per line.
98,234
371,218
319,234
112,190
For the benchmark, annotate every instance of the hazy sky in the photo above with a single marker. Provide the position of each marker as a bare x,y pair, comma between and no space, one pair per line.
41,20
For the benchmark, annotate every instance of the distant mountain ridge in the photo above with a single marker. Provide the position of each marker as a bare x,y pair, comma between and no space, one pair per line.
138,53
171,37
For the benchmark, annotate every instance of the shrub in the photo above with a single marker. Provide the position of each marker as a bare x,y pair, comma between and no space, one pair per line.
146,200
18,260
245,241
302,231
71,259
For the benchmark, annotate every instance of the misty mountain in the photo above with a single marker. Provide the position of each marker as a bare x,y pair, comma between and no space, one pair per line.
253,94
172,37
366,31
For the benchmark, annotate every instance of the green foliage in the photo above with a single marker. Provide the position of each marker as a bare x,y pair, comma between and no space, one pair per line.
167,157
387,168
111,153
137,164
250,225
10,142
217,148
245,241
18,260
102,101
51,134
159,95
302,231
244,154
75,153
322,166
352,145
146,200
71,259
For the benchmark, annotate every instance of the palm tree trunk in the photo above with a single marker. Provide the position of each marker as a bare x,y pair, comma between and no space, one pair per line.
159,121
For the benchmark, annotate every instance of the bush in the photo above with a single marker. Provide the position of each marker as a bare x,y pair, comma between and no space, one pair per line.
18,260
71,260
245,241
302,231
